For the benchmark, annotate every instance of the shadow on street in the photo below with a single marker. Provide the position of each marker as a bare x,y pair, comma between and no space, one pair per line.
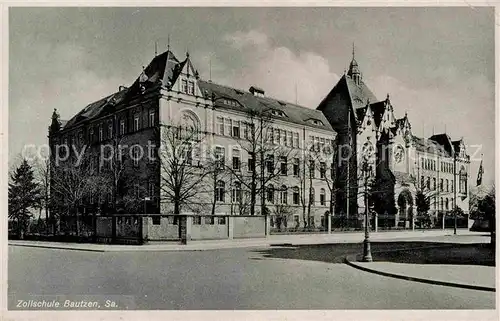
442,253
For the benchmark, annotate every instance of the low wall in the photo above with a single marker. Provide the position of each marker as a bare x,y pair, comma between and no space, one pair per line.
249,226
164,228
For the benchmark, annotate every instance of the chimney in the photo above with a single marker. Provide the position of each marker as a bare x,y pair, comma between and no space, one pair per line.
256,91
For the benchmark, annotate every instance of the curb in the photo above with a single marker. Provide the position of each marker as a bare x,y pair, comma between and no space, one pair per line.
350,259
57,247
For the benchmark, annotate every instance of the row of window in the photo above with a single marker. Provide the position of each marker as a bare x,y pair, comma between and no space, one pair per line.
430,164
321,144
106,129
187,87
270,163
445,185
279,195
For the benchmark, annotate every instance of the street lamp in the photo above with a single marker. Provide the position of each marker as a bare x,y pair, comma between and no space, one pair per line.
367,173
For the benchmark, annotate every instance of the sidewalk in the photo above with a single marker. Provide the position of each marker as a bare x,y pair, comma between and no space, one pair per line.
464,267
353,237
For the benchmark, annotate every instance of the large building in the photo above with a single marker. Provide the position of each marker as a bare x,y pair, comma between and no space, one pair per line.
263,141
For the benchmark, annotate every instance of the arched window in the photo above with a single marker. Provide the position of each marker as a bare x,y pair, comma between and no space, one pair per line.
446,203
322,197
447,185
441,204
236,195
311,196
284,195
220,191
463,180
428,183
296,195
190,125
270,194
434,183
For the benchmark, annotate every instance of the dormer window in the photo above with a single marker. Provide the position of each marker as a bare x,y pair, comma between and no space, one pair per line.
278,113
317,122
230,102
184,86
191,87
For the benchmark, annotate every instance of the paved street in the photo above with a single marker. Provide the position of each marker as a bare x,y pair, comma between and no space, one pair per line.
267,278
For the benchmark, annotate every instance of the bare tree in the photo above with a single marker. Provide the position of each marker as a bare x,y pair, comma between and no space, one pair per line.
265,156
181,178
72,182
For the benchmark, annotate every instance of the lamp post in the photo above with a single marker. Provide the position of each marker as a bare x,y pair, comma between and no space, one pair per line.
367,255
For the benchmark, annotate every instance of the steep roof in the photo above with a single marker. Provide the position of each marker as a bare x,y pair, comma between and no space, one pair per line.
162,69
378,110
430,146
445,141
293,113
359,94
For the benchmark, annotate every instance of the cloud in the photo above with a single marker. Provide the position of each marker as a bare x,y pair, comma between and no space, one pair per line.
278,70
54,76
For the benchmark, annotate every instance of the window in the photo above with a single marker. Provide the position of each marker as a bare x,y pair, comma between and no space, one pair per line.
296,167
156,220
283,166
236,129
220,125
228,125
136,122
184,86
295,140
220,191
311,196
270,194
191,88
197,220
283,194
135,155
332,171
100,132
151,118
110,129
151,153
296,195
220,156
91,134
289,139
447,186
137,191
151,189
187,153
236,195
322,170
222,220
441,187
322,197
236,159
251,162
311,168
433,183
270,163
283,137
122,126
276,136
446,203
245,130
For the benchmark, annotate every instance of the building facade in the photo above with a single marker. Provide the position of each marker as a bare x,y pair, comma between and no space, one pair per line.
281,153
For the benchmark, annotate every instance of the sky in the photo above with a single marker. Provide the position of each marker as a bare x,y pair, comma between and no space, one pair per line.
437,64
